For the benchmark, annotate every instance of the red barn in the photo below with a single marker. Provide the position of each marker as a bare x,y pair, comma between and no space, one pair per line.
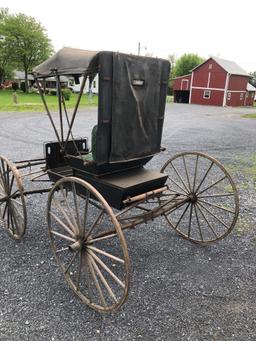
214,82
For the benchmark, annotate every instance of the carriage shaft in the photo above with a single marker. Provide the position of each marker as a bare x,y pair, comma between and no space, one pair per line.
149,215
154,213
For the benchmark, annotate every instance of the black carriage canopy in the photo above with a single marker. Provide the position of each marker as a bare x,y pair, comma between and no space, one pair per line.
132,96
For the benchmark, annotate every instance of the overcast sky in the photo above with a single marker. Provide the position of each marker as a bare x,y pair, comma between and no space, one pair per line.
222,28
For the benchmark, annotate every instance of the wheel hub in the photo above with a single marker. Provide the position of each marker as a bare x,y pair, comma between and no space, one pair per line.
193,197
76,246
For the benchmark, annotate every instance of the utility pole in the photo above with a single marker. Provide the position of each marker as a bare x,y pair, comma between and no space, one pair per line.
138,48
141,47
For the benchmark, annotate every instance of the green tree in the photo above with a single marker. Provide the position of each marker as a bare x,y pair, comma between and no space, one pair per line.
6,67
172,60
253,79
185,64
26,41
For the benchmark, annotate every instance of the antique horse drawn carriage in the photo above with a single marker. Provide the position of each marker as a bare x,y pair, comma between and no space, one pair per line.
97,194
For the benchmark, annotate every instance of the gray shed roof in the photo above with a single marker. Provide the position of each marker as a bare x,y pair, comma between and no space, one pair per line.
20,75
250,87
229,66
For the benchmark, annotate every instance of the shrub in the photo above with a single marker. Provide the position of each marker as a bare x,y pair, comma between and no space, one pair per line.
66,94
23,86
53,92
15,86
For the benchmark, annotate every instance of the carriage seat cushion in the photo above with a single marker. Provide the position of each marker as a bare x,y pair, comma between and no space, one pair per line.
90,157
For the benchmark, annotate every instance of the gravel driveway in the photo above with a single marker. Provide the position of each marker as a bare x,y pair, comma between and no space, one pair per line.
180,291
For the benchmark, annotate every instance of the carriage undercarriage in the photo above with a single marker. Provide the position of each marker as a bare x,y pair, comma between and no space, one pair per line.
87,235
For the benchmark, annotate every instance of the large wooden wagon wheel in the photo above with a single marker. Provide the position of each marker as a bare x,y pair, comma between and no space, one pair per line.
212,206
88,244
13,215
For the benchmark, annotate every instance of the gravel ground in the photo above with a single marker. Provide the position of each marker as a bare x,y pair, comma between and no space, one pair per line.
180,291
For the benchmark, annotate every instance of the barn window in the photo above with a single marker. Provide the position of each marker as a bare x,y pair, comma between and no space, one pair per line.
241,96
207,94
229,96
210,66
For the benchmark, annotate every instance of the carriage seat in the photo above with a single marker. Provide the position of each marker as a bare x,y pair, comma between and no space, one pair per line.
90,157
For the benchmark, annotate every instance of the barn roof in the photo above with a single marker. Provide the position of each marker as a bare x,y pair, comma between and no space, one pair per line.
229,66
250,87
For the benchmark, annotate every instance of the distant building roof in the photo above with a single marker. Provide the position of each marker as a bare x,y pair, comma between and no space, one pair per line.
20,75
229,66
250,87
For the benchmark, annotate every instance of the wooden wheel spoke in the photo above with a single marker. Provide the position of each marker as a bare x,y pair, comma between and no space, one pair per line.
212,185
195,173
102,299
217,206
101,237
216,195
180,177
198,223
207,222
213,215
96,221
72,218
105,267
11,184
8,217
71,262
103,279
70,226
79,271
93,248
76,204
63,236
16,209
8,176
190,218
3,173
173,181
11,224
66,228
62,249
14,221
3,181
86,210
181,217
186,170
205,175
4,210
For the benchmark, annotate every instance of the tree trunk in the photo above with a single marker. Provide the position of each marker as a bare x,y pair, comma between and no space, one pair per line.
1,76
26,80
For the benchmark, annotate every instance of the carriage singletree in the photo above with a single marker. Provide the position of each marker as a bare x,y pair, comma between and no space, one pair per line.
96,194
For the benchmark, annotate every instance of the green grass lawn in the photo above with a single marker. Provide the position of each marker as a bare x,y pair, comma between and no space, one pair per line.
249,115
33,102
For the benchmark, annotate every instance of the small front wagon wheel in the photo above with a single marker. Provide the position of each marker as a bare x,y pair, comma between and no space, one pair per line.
88,244
13,213
212,206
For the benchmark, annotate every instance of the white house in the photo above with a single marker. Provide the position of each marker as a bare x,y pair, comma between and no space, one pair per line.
77,87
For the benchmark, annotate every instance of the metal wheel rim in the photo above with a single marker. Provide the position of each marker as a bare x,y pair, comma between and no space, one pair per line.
5,165
234,189
120,238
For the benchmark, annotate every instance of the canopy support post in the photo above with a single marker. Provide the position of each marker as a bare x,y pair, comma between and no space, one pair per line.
75,109
60,106
47,110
